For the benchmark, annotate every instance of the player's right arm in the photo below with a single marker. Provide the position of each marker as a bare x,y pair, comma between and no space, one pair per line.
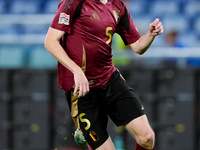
52,45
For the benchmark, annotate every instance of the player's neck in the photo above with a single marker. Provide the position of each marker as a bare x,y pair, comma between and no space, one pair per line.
104,1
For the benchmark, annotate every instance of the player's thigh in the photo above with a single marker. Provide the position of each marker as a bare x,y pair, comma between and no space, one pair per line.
140,128
107,145
125,108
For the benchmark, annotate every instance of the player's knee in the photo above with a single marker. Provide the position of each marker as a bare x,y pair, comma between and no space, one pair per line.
147,140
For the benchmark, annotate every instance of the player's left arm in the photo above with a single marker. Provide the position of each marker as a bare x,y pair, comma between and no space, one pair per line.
144,42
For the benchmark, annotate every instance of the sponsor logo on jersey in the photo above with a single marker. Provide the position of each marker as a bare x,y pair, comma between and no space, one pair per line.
142,107
64,19
95,15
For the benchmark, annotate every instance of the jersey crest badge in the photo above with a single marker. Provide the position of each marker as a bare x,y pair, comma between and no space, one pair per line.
116,15
64,19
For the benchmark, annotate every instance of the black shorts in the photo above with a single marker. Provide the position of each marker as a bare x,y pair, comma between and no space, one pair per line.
116,100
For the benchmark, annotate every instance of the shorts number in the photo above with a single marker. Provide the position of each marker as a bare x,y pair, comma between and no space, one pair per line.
85,120
108,34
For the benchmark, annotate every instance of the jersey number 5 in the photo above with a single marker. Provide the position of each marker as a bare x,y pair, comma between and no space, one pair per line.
85,120
108,34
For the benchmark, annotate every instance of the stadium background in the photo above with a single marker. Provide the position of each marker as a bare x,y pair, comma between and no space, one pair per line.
33,111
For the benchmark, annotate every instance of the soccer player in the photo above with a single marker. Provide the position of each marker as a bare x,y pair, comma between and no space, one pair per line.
80,38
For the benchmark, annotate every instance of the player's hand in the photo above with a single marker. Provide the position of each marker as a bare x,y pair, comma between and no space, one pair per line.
81,83
156,27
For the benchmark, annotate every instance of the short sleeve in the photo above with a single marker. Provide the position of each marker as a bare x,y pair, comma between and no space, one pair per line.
63,17
126,28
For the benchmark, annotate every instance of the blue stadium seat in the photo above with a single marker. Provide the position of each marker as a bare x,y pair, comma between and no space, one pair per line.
197,25
164,8
137,7
24,7
192,8
178,23
189,39
2,7
11,29
11,57
51,6
7,29
35,28
39,57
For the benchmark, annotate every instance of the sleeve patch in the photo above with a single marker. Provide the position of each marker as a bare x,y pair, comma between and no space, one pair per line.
64,19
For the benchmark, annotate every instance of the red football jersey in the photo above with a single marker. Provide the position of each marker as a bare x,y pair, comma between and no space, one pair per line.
89,27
